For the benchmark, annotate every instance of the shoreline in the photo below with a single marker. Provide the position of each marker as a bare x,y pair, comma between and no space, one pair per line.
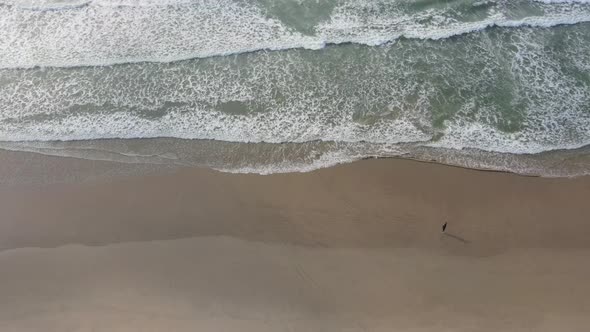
386,191
172,153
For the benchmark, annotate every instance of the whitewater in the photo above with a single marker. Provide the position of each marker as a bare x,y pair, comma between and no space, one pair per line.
107,32
279,86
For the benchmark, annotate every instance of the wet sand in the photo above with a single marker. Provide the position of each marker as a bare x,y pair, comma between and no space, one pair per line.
356,247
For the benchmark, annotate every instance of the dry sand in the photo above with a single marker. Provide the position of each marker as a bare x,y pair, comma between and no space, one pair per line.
356,247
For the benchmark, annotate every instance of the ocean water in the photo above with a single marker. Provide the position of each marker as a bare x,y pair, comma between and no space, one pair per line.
270,86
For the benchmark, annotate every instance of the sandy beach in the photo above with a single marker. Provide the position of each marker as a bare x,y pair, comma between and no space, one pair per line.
356,247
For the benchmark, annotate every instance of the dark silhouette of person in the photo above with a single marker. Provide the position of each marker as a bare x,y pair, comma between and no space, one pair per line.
444,227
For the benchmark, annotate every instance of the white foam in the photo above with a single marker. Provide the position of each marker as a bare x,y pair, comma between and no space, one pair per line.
273,127
127,31
140,3
46,5
373,96
56,5
328,159
563,1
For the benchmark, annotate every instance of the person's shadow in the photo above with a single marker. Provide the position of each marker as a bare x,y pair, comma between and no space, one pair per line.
456,237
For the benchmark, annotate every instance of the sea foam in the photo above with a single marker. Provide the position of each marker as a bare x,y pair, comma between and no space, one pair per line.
107,32
503,92
507,84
